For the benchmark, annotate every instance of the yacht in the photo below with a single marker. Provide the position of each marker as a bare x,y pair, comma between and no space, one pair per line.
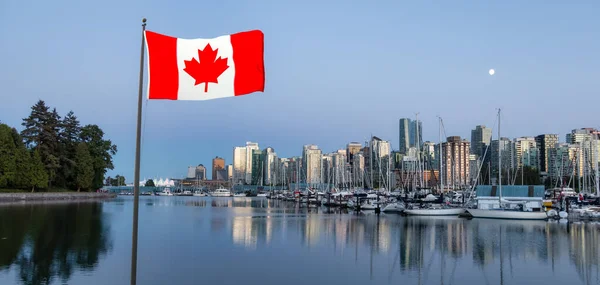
165,192
221,192
199,193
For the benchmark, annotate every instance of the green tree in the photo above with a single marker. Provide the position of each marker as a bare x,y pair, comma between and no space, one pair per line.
38,177
69,137
42,132
8,167
84,167
22,161
101,151
150,183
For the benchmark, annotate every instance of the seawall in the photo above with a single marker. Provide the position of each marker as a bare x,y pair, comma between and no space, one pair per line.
5,197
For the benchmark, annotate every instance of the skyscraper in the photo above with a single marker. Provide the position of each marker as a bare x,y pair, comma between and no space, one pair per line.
311,164
270,165
218,164
481,137
201,172
242,162
545,143
411,134
504,147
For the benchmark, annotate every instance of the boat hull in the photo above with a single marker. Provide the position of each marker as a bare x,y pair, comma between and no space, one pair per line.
220,195
435,212
507,215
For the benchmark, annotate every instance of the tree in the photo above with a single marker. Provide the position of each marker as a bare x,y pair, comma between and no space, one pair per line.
42,132
38,177
84,167
22,161
8,167
150,183
101,151
69,137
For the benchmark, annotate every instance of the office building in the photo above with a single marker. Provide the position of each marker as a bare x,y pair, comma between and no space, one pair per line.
218,164
411,134
481,138
312,164
545,143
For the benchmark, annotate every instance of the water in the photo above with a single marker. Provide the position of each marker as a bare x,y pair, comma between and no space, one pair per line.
197,240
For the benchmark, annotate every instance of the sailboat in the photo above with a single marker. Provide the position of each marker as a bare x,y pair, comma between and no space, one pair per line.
436,210
503,212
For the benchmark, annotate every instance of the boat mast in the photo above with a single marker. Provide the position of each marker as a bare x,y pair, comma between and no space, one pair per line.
499,163
441,165
596,166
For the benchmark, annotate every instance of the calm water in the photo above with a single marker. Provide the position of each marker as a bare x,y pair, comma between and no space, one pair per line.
195,240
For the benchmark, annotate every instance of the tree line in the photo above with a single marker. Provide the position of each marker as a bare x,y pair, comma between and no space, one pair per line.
54,152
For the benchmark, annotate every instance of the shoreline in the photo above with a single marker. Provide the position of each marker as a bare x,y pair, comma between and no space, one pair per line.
54,196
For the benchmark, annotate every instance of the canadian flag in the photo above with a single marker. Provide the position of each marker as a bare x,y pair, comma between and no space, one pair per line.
204,69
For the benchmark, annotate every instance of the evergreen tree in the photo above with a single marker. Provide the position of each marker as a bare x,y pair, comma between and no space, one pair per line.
41,132
22,161
101,151
84,167
69,137
8,167
38,177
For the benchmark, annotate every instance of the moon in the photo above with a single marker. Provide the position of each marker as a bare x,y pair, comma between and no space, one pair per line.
492,71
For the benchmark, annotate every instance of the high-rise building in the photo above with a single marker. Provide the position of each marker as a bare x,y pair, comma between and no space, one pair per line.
504,147
230,171
191,173
311,164
218,164
588,158
527,153
352,149
455,162
200,172
257,173
239,165
429,154
270,165
411,134
562,159
544,143
379,162
481,138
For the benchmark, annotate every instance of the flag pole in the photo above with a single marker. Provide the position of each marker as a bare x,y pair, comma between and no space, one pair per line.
136,181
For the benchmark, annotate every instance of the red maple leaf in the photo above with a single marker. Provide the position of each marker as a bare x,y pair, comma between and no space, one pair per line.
208,69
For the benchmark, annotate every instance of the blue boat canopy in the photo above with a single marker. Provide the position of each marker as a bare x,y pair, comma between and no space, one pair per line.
511,191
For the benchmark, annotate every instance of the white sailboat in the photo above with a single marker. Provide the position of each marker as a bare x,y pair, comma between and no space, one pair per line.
436,210
504,212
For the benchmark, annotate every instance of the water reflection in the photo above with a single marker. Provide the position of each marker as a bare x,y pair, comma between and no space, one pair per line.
46,242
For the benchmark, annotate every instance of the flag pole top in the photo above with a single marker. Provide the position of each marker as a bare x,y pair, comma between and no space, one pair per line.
143,21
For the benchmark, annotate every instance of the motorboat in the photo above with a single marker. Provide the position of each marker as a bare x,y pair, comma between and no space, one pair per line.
199,193
165,192
221,192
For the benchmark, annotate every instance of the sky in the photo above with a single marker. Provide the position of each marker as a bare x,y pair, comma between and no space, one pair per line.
336,71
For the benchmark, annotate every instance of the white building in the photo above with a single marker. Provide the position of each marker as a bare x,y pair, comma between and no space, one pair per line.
270,165
312,164
242,162
527,153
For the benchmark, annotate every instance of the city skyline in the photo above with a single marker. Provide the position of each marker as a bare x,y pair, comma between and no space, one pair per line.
409,57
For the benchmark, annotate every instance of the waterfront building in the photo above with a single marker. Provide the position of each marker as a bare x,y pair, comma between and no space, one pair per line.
455,162
506,148
191,173
200,172
218,164
562,162
410,134
481,138
242,162
587,157
311,164
526,152
270,165
545,143
230,171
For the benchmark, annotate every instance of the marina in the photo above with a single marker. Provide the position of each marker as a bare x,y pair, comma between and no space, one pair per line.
187,239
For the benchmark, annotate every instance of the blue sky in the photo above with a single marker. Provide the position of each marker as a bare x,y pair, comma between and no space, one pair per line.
336,71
